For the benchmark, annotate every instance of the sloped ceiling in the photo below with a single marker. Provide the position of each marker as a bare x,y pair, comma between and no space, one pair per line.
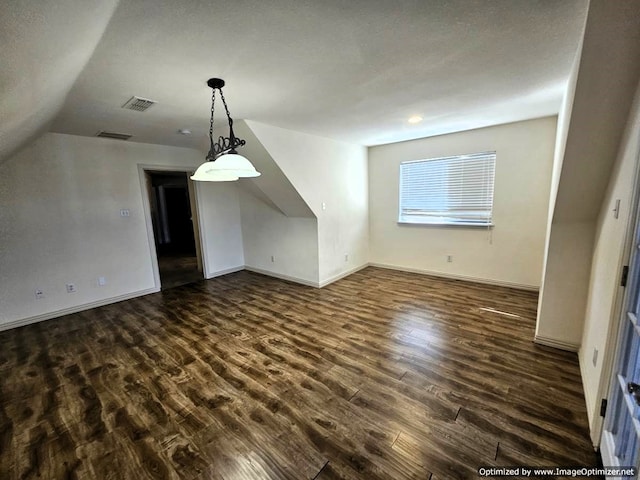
44,45
353,71
608,76
272,186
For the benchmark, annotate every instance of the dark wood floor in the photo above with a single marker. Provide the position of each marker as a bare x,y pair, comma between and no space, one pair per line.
177,269
382,375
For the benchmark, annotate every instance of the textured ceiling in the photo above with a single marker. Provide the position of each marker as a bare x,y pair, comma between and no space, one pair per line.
348,70
42,52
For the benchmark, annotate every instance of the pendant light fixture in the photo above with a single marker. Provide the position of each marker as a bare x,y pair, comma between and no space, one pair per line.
223,163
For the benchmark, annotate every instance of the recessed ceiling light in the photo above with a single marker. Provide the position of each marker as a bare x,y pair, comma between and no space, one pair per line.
415,119
184,131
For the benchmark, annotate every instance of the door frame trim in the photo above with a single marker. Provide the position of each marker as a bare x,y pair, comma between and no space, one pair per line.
606,448
143,169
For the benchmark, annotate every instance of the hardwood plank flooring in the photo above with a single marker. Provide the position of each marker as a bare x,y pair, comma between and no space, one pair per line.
382,375
178,269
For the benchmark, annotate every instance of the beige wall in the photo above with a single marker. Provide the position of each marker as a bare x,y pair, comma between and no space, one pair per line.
609,255
60,201
511,253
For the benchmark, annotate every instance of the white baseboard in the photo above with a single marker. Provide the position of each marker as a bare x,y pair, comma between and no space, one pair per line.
106,301
552,342
226,271
303,281
75,309
335,278
499,283
282,277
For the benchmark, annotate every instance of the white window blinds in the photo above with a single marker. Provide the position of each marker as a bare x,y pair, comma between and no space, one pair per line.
449,190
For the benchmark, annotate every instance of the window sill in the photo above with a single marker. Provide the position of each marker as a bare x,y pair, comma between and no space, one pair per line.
446,224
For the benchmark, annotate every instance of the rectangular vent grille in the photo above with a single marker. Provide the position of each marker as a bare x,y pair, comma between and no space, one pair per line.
115,136
138,104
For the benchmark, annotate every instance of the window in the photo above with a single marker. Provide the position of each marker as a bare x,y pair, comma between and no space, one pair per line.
448,191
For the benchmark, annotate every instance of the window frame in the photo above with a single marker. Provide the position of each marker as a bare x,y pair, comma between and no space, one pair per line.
449,220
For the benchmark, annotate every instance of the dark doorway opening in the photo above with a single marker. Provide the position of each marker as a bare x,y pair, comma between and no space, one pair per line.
172,217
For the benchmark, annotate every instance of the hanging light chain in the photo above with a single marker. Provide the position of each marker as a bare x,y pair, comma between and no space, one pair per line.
213,101
226,109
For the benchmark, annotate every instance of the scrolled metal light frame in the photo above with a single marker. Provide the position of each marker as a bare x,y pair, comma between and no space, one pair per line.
224,144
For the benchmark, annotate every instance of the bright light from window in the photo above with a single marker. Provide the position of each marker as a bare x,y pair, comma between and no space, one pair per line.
499,312
448,190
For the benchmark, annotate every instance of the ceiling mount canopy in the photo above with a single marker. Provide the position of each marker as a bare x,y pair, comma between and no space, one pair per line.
223,163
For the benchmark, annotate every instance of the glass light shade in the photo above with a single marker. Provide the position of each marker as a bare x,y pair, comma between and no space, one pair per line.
205,173
235,164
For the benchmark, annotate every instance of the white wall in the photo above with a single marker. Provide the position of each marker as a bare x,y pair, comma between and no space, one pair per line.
609,255
291,241
605,84
331,177
219,211
562,131
512,252
554,262
60,201
566,282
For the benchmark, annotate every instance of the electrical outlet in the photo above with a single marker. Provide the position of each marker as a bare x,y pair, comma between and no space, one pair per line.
449,258
346,257
71,288
102,281
124,212
39,294
273,259
595,357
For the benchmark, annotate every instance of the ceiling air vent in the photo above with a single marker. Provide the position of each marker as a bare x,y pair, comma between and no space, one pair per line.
138,104
115,136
